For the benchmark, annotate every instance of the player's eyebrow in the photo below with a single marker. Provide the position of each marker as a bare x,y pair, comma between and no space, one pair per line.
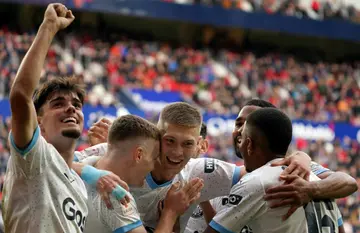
59,98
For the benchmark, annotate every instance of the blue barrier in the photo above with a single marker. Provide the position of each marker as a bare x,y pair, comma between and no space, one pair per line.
218,125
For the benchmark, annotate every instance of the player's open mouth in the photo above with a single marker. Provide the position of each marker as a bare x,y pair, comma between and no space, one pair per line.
172,161
70,120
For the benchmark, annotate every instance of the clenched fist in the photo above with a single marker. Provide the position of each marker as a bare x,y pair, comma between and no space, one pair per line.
58,17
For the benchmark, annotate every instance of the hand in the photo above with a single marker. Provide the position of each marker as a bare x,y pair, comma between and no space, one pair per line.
295,192
108,185
179,200
298,164
58,16
98,132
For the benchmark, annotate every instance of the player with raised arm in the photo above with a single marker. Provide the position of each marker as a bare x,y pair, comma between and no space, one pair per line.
133,148
265,137
41,193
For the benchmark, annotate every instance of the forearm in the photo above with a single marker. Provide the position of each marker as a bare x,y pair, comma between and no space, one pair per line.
208,211
336,185
24,120
166,222
77,167
28,76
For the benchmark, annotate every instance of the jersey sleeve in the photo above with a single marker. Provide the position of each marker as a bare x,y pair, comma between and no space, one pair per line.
317,169
218,176
244,204
121,219
97,150
33,159
339,216
92,160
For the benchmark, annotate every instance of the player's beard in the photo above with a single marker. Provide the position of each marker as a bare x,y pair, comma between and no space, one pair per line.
71,133
236,149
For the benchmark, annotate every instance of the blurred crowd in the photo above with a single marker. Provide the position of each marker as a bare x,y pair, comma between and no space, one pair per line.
312,9
218,82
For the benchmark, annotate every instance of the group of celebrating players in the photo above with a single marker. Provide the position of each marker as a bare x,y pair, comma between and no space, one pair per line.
140,177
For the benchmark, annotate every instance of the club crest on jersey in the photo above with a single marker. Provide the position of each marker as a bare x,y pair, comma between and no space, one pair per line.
233,199
198,212
209,165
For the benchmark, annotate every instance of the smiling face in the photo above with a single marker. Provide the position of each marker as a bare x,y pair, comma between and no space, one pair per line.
178,145
239,123
61,117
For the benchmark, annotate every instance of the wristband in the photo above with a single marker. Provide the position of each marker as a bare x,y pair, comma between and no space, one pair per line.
91,175
119,192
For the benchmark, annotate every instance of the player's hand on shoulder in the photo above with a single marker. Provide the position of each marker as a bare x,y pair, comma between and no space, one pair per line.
298,163
295,192
111,184
179,199
57,17
98,132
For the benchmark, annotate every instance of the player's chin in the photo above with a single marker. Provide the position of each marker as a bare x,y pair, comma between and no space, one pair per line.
71,132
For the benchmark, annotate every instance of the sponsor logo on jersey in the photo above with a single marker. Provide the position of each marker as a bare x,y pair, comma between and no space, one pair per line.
233,199
209,165
129,210
198,212
69,178
73,214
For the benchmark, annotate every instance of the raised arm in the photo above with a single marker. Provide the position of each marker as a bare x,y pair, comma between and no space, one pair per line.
24,119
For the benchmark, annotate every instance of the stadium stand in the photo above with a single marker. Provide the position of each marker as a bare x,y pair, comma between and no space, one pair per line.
219,81
104,67
313,9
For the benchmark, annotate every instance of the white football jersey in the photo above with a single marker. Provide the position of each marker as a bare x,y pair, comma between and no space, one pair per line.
41,193
119,219
97,150
322,215
246,206
218,178
197,221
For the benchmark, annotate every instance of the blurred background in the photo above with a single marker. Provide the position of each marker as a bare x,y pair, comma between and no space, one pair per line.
135,56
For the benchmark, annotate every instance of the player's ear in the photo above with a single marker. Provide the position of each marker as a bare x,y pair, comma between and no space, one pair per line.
39,121
204,146
249,146
138,154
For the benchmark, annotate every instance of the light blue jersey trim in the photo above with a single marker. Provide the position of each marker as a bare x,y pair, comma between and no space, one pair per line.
216,226
76,159
321,171
340,222
236,176
31,144
129,227
153,185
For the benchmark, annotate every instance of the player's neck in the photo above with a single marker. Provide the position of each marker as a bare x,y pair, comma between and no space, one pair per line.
265,158
161,175
122,169
66,149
